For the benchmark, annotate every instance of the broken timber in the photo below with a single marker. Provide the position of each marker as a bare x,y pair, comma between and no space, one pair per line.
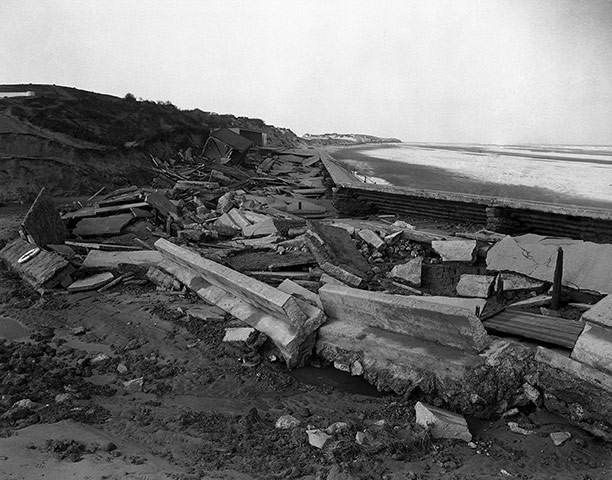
289,322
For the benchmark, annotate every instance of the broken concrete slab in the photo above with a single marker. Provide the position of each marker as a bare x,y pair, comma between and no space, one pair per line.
412,316
371,238
104,259
292,288
455,250
43,223
328,279
46,269
586,265
91,283
442,423
515,282
559,438
409,272
594,347
478,286
102,226
239,334
336,253
468,304
600,313
260,229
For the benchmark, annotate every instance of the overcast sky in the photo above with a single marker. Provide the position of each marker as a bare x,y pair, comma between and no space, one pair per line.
486,71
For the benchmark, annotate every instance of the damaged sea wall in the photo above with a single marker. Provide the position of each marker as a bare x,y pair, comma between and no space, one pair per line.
503,215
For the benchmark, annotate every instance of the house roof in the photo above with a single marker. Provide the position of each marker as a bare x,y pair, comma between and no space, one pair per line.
232,139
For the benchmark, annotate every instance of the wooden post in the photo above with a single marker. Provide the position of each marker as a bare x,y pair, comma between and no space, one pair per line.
557,280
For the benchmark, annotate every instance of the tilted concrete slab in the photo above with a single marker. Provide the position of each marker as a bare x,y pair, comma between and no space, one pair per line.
412,316
293,342
586,265
43,222
253,291
409,272
443,424
594,347
600,313
469,304
474,384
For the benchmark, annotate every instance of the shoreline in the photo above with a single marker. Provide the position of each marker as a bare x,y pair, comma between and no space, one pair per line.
423,177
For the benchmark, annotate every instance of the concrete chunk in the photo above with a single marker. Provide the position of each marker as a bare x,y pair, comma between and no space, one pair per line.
455,250
91,283
475,285
516,282
594,347
600,313
443,424
292,288
412,316
239,334
370,237
410,272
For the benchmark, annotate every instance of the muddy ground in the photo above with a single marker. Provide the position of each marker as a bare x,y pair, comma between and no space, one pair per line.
205,409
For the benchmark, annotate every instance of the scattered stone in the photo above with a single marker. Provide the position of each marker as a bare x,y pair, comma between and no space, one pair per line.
515,428
121,368
364,438
100,358
62,397
134,385
475,285
513,412
337,427
472,445
559,438
442,423
455,250
287,422
79,330
410,272
317,437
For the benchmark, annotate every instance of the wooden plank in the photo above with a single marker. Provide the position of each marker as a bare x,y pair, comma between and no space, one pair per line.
104,226
43,222
46,269
161,203
100,211
553,330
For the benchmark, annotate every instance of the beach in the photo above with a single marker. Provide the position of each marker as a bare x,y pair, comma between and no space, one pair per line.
552,174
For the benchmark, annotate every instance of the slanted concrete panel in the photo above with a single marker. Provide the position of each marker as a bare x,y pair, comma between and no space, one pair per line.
478,286
412,316
586,265
594,347
455,250
43,222
264,296
600,313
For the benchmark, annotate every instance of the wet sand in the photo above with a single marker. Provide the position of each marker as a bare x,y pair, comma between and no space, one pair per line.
435,178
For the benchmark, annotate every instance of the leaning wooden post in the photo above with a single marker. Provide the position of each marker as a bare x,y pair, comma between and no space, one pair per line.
557,280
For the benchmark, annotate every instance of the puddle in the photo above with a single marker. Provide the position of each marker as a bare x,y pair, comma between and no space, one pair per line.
11,329
338,379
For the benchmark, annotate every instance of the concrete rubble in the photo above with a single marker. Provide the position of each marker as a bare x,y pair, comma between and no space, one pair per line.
377,298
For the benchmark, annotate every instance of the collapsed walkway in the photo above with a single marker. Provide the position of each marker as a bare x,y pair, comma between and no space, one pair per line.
461,318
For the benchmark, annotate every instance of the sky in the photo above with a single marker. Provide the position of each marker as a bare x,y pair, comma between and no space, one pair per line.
470,71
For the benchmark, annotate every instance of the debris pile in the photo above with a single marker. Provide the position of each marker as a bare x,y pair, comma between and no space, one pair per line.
409,309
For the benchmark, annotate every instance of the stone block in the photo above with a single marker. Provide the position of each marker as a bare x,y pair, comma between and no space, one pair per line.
371,238
410,272
594,347
442,423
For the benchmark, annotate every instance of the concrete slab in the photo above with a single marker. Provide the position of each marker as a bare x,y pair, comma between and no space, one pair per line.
594,347
43,222
102,226
600,313
292,288
91,283
516,282
442,423
412,316
478,286
468,304
410,272
586,265
455,250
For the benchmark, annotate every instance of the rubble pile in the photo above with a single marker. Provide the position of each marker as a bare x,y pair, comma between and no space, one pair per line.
412,310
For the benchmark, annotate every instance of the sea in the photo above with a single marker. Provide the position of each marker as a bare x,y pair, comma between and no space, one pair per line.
565,174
